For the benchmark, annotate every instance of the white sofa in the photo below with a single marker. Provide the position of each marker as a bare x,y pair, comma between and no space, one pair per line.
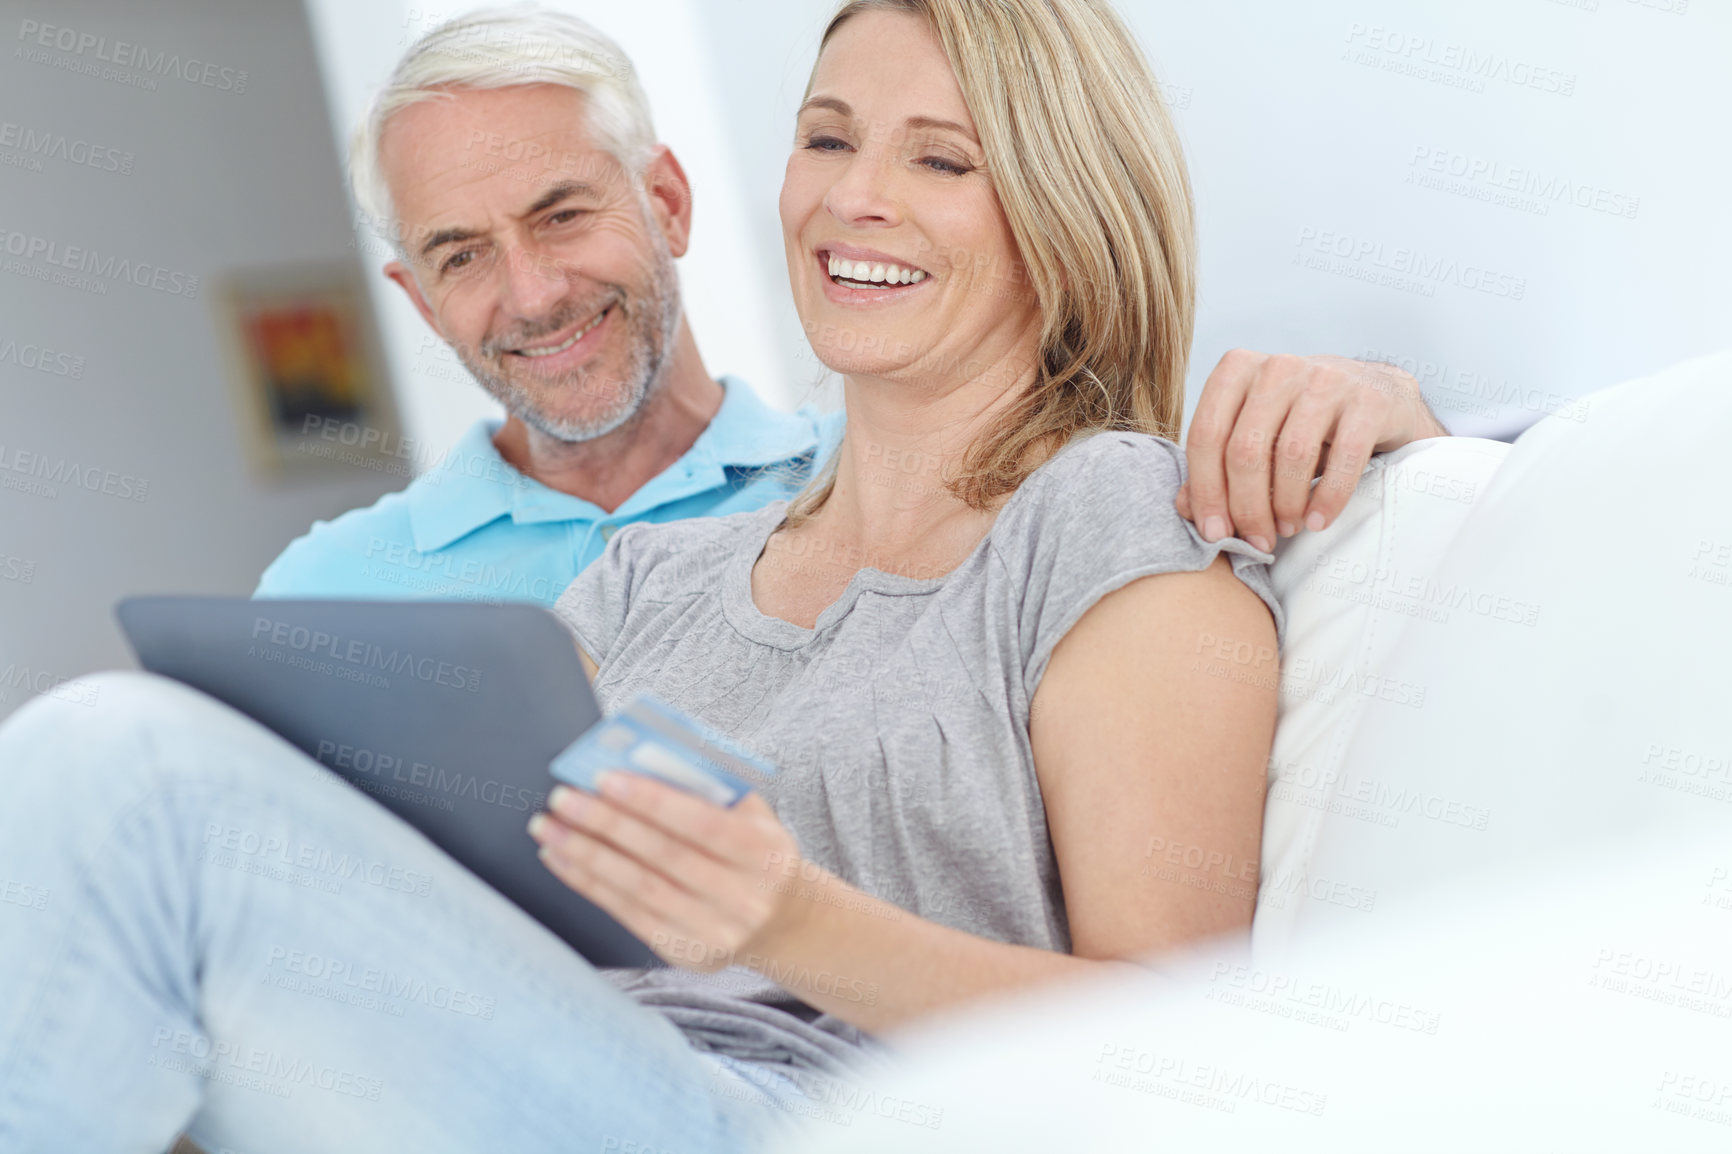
1496,900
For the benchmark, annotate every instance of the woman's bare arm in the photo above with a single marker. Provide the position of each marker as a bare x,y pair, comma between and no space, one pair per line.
1151,736
1151,733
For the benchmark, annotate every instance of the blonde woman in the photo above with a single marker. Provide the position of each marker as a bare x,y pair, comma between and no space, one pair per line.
988,235
1002,679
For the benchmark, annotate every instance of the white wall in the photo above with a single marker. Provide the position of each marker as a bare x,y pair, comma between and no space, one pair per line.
216,179
1288,138
1310,142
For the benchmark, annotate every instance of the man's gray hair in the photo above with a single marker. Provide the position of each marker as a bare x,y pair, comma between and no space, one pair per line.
502,48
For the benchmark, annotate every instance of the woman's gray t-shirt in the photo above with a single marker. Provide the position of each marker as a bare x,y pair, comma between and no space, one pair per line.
899,723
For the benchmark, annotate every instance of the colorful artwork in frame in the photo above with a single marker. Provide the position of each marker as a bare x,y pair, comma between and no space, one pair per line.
314,392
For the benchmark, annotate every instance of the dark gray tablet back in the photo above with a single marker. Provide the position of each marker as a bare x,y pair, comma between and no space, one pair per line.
446,714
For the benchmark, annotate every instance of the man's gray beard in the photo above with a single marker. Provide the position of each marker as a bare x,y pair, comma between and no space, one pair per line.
654,327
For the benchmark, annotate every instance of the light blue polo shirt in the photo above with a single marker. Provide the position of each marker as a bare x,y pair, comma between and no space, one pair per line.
475,529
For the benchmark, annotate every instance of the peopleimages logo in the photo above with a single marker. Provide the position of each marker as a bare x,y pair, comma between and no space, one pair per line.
1199,1084
124,54
374,980
1332,1000
44,472
1544,188
84,260
43,360
358,760
59,146
45,684
1364,258
312,643
1427,58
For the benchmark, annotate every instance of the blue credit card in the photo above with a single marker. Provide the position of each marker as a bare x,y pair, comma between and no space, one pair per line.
659,741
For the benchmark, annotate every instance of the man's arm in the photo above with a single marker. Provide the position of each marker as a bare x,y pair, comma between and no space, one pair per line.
1265,426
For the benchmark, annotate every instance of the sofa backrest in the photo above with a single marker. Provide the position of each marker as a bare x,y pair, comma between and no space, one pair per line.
1349,593
1564,675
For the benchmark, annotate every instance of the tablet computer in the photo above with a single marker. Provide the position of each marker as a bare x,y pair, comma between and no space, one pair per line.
447,714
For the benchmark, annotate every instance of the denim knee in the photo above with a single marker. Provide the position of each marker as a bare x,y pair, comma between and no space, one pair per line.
118,734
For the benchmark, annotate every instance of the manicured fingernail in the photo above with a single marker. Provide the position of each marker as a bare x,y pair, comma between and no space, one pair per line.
1214,529
1314,521
1285,528
567,802
612,783
537,824
1260,541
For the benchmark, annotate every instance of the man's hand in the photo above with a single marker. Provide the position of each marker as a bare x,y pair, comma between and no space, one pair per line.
1266,425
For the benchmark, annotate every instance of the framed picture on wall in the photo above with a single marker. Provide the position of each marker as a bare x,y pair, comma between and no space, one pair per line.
314,397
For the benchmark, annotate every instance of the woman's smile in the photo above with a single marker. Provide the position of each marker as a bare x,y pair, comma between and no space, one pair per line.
861,276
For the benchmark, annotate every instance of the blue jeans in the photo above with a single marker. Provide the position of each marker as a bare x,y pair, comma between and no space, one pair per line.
203,930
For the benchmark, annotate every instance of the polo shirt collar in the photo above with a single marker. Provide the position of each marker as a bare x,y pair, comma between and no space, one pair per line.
747,433
474,486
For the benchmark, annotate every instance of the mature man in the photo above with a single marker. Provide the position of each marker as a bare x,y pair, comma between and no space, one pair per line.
548,266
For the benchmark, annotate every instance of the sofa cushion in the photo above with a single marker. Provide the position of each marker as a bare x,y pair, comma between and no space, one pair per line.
1348,595
1574,650
1579,1005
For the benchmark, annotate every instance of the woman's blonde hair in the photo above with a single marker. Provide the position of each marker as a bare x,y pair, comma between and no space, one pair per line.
1091,175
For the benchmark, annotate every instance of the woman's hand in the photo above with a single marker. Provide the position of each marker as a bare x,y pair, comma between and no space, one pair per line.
694,881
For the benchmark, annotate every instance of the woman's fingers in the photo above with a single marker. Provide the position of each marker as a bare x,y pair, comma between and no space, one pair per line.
678,930
626,829
682,926
738,836
686,876
571,863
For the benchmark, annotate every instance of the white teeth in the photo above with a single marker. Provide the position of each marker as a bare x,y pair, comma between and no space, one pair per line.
865,272
568,342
